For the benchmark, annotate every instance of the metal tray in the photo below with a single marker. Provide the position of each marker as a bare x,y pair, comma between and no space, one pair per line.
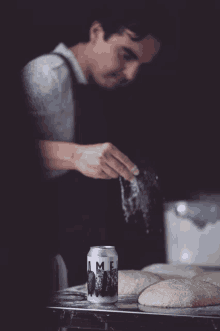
70,308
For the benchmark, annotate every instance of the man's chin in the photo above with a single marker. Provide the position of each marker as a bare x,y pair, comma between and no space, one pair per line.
111,85
107,84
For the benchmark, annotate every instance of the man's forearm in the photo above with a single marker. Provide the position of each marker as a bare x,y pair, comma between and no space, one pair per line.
57,155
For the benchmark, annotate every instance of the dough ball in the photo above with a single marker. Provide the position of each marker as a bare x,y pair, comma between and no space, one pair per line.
135,281
180,293
174,271
211,277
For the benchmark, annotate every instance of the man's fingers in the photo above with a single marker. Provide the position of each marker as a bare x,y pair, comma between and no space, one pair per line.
125,160
125,168
119,168
109,171
104,175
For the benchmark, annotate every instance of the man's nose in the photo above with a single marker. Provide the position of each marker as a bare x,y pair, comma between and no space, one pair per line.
131,71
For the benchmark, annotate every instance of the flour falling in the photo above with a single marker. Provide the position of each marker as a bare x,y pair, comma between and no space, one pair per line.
141,198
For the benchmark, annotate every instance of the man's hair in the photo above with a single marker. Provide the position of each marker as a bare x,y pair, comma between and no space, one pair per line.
142,21
142,17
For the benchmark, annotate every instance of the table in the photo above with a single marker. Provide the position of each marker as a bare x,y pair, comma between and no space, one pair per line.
69,308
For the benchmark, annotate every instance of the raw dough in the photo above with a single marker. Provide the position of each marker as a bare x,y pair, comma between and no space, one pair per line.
135,281
174,271
175,293
211,277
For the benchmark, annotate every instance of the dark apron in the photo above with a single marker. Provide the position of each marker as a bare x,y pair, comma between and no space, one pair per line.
89,209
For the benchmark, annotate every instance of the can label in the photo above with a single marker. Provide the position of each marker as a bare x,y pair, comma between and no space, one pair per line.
102,277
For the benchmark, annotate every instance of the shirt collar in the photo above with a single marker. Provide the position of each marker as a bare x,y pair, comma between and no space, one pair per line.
62,49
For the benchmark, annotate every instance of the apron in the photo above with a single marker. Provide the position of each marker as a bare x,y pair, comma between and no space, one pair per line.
89,209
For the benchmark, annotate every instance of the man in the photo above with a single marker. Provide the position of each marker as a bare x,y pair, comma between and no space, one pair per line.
110,62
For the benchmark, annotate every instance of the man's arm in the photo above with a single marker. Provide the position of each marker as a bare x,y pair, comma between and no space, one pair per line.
57,155
40,80
103,161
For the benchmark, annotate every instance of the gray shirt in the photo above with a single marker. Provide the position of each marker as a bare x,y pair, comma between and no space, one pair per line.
47,85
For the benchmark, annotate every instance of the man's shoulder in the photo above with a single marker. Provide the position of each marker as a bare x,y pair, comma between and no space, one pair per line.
50,60
48,66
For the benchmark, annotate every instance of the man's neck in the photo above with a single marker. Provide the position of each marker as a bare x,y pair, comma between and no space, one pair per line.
79,53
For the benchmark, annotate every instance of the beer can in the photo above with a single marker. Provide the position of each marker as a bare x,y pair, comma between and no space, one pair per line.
102,273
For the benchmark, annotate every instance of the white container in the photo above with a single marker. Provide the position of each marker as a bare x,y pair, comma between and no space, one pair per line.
192,230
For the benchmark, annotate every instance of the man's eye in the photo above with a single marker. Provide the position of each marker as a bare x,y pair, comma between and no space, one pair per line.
127,57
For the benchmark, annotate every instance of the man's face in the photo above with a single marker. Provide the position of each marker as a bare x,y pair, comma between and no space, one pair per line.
115,62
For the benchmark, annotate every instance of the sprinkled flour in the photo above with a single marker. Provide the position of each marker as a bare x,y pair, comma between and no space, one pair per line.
141,199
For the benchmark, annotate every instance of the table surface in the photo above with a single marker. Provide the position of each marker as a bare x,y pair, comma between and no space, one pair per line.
71,306
75,298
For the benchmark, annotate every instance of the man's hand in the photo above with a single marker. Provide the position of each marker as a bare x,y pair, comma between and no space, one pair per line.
103,161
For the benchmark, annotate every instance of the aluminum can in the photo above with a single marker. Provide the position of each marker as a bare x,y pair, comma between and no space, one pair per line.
102,273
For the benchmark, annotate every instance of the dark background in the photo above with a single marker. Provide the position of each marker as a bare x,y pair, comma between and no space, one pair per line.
170,114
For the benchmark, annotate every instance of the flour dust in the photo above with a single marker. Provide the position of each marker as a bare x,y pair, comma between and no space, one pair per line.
142,199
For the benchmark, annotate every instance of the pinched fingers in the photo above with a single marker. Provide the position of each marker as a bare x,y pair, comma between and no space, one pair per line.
109,171
119,162
102,175
132,168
